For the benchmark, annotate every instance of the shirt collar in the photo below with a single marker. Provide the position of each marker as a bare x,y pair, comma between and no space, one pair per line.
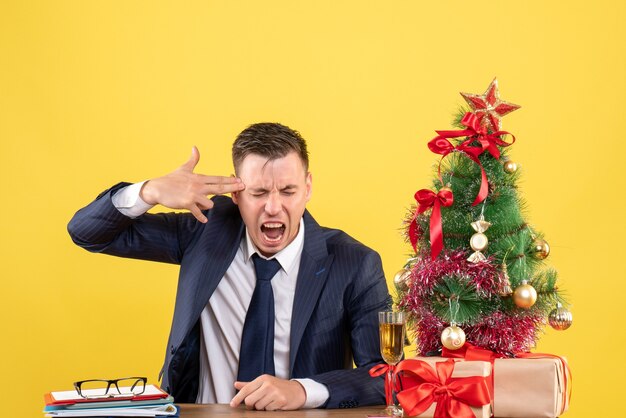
286,257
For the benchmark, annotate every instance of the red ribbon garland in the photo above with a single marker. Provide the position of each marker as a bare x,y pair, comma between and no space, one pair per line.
454,396
426,199
488,141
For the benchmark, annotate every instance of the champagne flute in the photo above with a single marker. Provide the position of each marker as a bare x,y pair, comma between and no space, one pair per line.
391,326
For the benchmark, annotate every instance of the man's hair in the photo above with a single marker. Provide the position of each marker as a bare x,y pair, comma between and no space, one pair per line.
270,140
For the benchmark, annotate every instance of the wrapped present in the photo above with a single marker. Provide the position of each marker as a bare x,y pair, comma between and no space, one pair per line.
438,387
531,387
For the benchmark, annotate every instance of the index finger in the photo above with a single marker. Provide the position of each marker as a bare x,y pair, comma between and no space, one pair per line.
208,189
246,390
218,179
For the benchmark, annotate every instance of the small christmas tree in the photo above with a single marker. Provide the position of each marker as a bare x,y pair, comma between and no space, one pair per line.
477,272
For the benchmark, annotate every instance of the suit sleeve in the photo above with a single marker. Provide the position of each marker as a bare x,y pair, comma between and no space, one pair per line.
101,228
369,295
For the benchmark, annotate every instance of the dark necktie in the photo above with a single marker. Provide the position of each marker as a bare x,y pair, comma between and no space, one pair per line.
256,356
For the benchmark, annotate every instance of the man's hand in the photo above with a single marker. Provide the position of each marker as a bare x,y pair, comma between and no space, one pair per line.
182,189
270,393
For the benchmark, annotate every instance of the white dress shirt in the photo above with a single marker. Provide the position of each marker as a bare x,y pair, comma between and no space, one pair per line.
223,318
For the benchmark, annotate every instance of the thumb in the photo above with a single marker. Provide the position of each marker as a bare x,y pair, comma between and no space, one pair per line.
193,159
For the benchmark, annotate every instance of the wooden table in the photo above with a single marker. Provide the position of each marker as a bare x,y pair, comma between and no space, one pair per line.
219,410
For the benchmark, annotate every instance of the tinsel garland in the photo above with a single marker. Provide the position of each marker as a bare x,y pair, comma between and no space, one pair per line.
426,273
503,332
507,333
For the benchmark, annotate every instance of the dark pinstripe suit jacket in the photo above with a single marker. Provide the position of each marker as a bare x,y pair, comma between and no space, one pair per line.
340,289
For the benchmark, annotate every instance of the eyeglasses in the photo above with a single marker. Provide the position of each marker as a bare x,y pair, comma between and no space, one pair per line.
115,388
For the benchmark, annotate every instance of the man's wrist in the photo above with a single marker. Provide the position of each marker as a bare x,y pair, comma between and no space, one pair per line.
129,202
316,393
146,193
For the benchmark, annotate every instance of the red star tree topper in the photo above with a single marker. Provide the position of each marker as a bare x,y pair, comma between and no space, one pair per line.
489,107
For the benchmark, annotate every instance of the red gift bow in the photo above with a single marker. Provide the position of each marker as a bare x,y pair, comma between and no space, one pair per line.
454,396
426,199
470,352
488,141
388,371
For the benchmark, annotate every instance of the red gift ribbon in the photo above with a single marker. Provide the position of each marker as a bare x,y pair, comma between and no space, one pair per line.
454,396
426,199
488,141
470,352
388,371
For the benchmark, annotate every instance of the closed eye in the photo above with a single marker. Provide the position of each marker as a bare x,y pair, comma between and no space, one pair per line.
258,193
288,190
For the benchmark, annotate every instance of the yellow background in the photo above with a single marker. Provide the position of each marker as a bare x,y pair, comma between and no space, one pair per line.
94,92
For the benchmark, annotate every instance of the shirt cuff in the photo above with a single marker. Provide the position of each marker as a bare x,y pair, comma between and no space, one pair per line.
128,201
316,393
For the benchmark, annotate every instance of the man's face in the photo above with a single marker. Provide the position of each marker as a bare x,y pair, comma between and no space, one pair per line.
274,199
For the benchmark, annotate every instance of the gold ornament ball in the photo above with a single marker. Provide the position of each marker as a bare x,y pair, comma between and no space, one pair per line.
479,241
560,318
510,166
525,295
446,188
401,279
453,337
541,249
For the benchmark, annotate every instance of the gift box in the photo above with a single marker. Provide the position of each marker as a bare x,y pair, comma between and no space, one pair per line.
530,387
436,386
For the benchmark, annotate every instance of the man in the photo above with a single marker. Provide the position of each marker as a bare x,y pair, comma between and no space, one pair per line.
237,337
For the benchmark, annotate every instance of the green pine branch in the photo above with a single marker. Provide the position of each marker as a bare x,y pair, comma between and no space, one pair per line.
455,299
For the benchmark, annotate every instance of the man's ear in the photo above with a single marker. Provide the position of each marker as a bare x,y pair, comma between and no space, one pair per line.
309,185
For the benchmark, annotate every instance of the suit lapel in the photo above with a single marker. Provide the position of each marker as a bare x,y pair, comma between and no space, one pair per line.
217,249
314,267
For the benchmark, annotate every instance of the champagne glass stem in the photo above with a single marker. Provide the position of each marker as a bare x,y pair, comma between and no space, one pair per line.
389,386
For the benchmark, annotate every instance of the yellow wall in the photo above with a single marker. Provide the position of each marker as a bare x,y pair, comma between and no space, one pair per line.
94,92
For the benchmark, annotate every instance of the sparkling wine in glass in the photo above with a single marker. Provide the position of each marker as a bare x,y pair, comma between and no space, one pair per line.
391,326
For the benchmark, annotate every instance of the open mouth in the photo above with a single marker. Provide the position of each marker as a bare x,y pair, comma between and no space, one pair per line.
273,232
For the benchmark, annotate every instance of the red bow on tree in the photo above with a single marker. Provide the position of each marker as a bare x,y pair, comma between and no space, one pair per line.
441,145
475,131
454,396
426,199
488,141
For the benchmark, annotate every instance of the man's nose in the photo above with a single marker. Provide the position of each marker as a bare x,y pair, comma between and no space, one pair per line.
273,204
